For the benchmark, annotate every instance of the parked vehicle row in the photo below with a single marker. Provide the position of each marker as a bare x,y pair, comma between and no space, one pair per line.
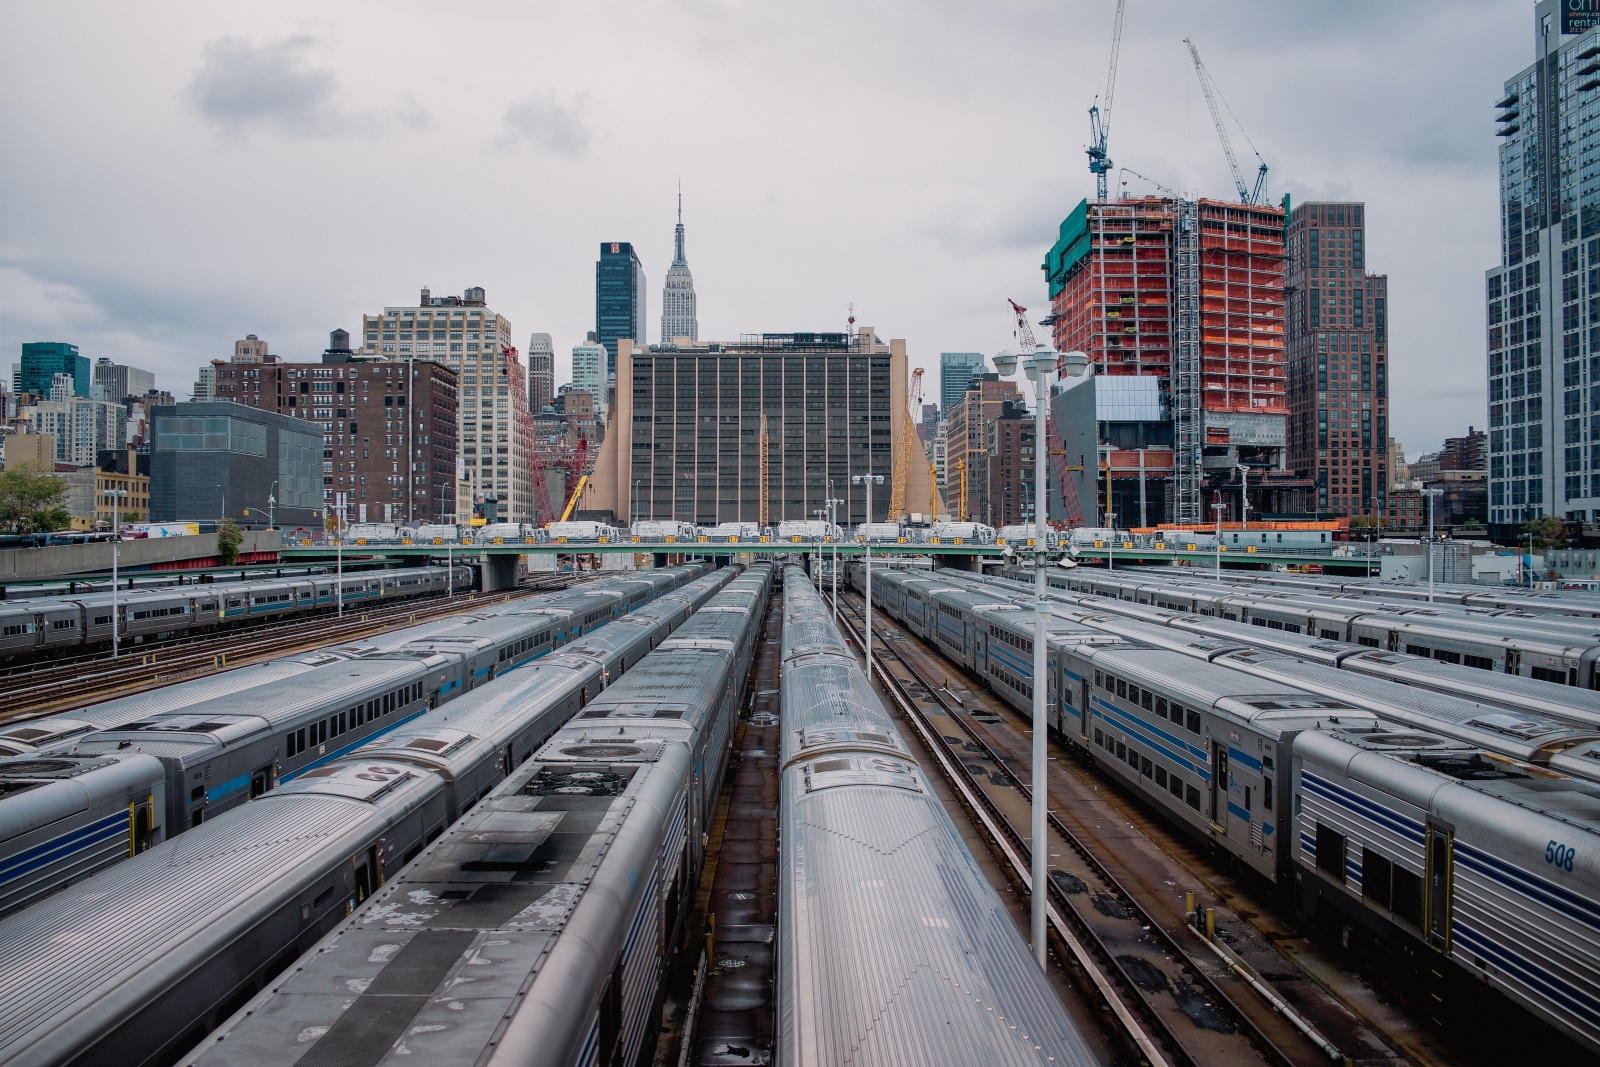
175,941
84,621
1408,825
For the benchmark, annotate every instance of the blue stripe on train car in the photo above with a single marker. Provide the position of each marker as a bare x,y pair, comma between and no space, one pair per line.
1393,820
1539,978
102,829
999,651
1115,716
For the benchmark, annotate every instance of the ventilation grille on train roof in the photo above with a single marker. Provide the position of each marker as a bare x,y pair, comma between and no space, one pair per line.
567,781
1403,740
33,767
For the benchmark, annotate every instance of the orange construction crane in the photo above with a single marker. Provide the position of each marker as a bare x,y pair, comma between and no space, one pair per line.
1057,451
902,454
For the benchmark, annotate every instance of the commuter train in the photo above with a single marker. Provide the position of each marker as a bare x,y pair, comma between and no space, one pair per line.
879,899
538,928
79,622
1222,753
1550,650
135,965
1573,603
218,742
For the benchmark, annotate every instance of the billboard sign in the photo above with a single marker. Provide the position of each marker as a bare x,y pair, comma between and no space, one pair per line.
1579,16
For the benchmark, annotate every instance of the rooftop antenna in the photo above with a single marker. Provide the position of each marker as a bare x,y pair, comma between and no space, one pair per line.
850,323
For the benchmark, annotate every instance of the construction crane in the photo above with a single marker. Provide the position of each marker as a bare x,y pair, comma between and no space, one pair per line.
1056,448
764,456
902,454
1212,93
961,506
1162,189
1100,121
577,477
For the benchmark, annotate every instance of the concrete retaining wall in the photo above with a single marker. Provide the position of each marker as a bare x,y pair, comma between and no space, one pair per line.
26,564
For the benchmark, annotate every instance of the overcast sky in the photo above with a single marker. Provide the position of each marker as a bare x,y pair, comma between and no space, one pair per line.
177,175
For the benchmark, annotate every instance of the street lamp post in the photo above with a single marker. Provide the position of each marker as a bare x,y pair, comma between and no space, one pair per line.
116,496
1431,493
1038,368
833,522
1217,509
272,505
868,480
338,542
1244,497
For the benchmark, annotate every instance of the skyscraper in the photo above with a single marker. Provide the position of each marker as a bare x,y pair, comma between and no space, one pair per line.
1337,326
618,298
956,371
588,370
1543,322
677,296
43,360
541,371
494,426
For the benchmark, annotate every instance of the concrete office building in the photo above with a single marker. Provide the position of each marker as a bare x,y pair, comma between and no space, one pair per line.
118,382
967,441
205,383
541,371
382,431
1338,356
589,361
43,360
216,459
684,433
956,371
678,317
619,299
1543,311
251,349
494,426
82,427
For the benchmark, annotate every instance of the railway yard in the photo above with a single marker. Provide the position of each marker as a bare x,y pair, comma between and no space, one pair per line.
667,817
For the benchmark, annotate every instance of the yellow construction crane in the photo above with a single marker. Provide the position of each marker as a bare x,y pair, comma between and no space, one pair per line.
763,453
572,501
961,506
902,454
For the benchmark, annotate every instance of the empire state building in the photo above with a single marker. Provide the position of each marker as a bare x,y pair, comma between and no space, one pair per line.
677,297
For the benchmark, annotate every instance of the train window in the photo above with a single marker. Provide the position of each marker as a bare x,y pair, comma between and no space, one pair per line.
1376,878
1191,796
1444,655
1099,737
1258,622
1406,896
1099,680
1133,759
1549,674
1370,642
1145,699
1330,852
1419,650
1247,798
1161,706
1122,750
1122,688
1145,766
1483,663
197,794
1175,787
1161,777
1328,635
1193,722
341,727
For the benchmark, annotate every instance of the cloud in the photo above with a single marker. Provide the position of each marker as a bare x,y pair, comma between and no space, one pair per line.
242,86
548,122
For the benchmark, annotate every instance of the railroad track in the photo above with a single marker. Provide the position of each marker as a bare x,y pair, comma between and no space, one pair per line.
1168,997
53,688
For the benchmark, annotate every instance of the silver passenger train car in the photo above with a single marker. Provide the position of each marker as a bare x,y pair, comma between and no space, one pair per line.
84,621
169,944
880,902
222,740
537,929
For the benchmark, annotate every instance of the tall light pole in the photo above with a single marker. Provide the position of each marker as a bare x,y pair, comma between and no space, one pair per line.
272,505
833,521
1217,509
338,535
1244,497
1432,493
116,496
1038,367
868,480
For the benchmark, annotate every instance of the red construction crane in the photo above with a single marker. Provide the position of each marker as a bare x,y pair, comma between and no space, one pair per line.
1054,446
516,380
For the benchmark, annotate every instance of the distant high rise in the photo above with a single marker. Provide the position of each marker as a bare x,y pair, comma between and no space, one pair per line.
205,383
250,350
589,362
956,371
541,371
1543,312
618,298
1337,341
118,381
43,360
677,297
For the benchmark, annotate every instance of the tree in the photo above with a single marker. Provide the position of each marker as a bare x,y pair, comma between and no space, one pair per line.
30,500
1549,531
229,538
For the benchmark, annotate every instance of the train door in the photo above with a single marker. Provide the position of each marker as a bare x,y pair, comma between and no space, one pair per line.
1219,786
260,781
1441,885
1513,661
508,761
366,869
1083,707
141,829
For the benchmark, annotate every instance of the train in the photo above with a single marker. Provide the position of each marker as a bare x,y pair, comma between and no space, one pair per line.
84,622
221,741
879,899
1505,854
539,927
138,963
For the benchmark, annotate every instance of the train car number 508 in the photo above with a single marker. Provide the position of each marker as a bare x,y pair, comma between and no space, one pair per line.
1559,855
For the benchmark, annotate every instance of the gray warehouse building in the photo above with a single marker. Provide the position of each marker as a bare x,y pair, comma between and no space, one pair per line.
213,459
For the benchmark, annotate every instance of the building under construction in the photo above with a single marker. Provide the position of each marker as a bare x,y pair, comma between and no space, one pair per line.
1180,303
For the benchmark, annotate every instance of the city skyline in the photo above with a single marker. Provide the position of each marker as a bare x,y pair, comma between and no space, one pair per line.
261,101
